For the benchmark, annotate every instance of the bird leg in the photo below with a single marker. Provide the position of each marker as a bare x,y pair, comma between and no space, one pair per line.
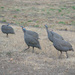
60,54
33,50
27,48
67,54
7,35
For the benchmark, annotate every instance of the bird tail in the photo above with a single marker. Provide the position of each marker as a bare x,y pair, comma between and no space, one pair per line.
39,47
72,49
38,38
13,32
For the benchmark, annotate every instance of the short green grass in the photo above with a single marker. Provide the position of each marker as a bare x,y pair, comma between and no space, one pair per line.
37,21
52,9
42,9
61,22
62,14
48,12
63,8
73,23
36,25
3,20
14,16
73,7
17,9
2,7
59,10
29,20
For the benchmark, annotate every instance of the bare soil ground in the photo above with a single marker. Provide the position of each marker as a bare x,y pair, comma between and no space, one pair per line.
33,15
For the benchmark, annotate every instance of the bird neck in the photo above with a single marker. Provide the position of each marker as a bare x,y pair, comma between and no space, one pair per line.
47,30
22,29
24,32
8,24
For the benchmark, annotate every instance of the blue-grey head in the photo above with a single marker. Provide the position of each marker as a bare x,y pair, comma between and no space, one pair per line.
8,24
22,26
46,26
24,30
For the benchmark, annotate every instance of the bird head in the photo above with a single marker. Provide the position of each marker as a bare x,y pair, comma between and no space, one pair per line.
46,26
8,24
24,30
21,26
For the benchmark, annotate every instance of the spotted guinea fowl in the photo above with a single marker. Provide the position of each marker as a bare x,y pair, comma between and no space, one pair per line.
34,34
6,29
30,40
62,45
50,35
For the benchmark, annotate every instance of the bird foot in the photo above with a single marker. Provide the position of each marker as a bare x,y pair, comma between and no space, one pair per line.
24,50
60,57
32,51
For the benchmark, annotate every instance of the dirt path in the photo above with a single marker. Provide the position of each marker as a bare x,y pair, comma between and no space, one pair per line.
13,61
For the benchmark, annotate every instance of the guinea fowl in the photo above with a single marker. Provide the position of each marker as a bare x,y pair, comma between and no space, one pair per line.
32,33
62,45
30,40
55,34
6,29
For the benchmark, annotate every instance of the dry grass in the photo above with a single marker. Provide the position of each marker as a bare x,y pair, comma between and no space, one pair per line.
14,61
58,15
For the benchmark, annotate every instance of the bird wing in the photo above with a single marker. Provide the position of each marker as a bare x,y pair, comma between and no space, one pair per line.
10,29
57,35
61,44
4,27
65,43
7,29
34,34
31,40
